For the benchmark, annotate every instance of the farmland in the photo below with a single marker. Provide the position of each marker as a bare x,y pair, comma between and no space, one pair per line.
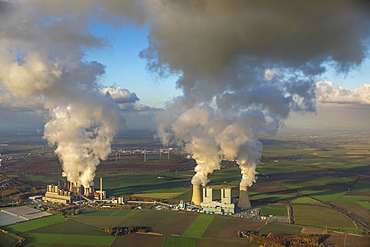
317,174
280,210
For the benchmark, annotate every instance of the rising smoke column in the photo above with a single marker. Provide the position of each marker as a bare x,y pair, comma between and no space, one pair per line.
41,56
236,60
249,64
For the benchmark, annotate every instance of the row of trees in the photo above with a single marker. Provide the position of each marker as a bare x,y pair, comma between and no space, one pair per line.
283,240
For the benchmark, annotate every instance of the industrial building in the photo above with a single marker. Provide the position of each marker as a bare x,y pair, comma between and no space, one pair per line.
66,192
210,206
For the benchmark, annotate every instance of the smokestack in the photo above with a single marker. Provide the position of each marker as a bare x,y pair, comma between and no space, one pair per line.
197,197
101,189
243,198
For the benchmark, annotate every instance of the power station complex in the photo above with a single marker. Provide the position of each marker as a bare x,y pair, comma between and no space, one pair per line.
225,206
202,198
66,192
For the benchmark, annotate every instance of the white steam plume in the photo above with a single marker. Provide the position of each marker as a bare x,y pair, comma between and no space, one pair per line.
245,63
252,63
41,56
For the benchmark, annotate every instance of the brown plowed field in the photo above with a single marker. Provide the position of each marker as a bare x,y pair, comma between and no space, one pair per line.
182,224
138,240
355,241
354,208
246,225
337,240
230,242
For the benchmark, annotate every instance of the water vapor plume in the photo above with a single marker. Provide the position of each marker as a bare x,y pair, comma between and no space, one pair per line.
42,57
244,66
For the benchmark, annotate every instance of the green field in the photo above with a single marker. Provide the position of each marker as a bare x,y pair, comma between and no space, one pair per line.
171,241
218,225
166,223
107,212
199,226
7,240
69,239
34,224
322,217
365,204
276,210
280,228
100,222
71,227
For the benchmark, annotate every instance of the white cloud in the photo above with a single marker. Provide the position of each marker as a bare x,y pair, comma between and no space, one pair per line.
126,100
327,93
120,95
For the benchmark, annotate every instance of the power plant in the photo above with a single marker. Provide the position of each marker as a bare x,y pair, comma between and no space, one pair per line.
202,198
66,192
210,206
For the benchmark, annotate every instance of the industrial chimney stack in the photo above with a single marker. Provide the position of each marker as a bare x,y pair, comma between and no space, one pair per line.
101,189
244,198
197,195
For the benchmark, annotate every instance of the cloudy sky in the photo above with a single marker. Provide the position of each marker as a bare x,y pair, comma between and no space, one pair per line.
310,59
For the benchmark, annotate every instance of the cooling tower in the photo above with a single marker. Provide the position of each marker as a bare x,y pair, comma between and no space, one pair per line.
243,198
197,195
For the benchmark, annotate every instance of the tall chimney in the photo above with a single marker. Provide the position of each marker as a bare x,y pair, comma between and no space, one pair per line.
197,197
101,189
244,198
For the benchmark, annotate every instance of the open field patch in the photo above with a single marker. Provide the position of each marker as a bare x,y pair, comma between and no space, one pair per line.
147,218
138,240
365,204
244,225
160,195
229,242
304,199
171,241
280,228
199,226
7,240
70,227
321,217
107,212
218,225
34,224
357,241
166,223
355,208
183,223
69,239
271,192
276,210
99,221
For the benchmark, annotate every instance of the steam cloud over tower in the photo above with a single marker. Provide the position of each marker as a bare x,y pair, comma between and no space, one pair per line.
253,63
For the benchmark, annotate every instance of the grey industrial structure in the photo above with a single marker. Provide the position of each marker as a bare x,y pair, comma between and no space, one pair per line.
66,192
210,206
